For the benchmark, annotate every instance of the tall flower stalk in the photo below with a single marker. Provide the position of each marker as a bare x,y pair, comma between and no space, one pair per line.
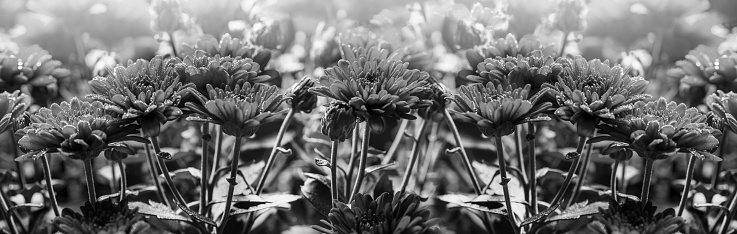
418,139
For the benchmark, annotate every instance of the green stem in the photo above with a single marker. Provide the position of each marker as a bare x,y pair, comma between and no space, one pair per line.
533,168
5,208
153,171
582,174
504,181
687,187
415,154
395,144
352,160
646,181
718,167
49,185
571,172
165,172
123,179
467,162
521,159
232,180
89,176
613,181
563,45
334,173
274,151
18,166
215,161
173,44
361,162
204,166
730,213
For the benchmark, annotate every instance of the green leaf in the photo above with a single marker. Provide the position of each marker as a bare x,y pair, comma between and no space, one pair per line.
318,194
274,200
578,210
159,210
463,201
196,215
540,215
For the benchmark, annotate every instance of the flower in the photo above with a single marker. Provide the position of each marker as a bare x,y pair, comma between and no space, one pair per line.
220,72
242,109
507,47
496,110
103,217
338,122
302,99
32,66
228,47
12,106
658,129
631,217
166,16
400,213
324,51
590,92
78,129
376,89
462,34
704,67
570,15
617,153
724,105
272,34
148,92
536,69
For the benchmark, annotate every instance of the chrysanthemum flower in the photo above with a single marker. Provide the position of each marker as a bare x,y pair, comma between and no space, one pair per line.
376,89
724,105
703,68
658,129
32,66
570,15
507,47
338,122
12,106
219,72
302,99
439,97
242,109
400,213
464,34
632,217
325,51
147,92
166,15
362,42
78,129
228,47
590,92
496,110
273,34
535,70
104,217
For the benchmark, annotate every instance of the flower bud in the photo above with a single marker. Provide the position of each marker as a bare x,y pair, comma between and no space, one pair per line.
273,34
302,99
166,16
339,121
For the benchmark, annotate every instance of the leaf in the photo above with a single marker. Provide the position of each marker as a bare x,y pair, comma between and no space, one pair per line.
578,210
374,168
275,200
196,215
193,172
159,210
540,215
462,200
318,194
487,199
383,185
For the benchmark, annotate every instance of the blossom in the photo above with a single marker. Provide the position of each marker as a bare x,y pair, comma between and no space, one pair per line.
12,106
496,109
302,99
724,105
590,92
570,15
658,129
228,47
103,217
32,66
325,51
78,129
704,68
507,47
536,69
400,213
242,109
220,72
439,97
338,122
166,16
272,34
632,217
462,34
147,92
376,88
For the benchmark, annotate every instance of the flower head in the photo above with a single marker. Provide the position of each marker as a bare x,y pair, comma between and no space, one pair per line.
570,15
32,66
302,99
166,16
632,217
103,217
590,92
724,105
242,109
376,89
338,122
228,47
496,110
219,72
507,47
658,129
703,68
147,92
273,34
463,34
400,213
12,106
536,69
78,129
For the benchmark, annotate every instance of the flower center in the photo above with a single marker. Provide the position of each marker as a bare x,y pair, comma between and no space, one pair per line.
366,222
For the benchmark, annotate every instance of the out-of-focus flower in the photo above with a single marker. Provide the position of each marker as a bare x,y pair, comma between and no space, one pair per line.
400,213
536,69
591,91
116,155
632,217
228,47
166,16
440,97
497,109
203,70
9,12
272,34
103,217
618,154
658,129
12,106
302,99
147,92
703,68
78,129
32,66
240,110
460,34
339,121
325,51
724,105
507,47
570,15
101,62
376,89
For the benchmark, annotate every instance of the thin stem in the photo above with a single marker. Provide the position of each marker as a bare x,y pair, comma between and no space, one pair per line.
646,181
89,176
730,213
352,160
165,172
504,181
49,185
215,161
622,178
114,175
582,174
395,144
718,167
571,172
361,162
204,166
415,153
334,173
274,151
687,187
521,159
467,162
232,180
173,44
564,43
5,208
153,171
533,168
123,179
613,181
18,166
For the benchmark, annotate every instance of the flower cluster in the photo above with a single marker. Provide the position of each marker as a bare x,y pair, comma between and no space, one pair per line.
219,72
33,66
103,217
704,68
536,70
632,217
724,105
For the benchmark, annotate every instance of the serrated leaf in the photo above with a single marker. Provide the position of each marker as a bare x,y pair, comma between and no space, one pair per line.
196,215
318,194
488,199
540,215
374,168
578,210
159,210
